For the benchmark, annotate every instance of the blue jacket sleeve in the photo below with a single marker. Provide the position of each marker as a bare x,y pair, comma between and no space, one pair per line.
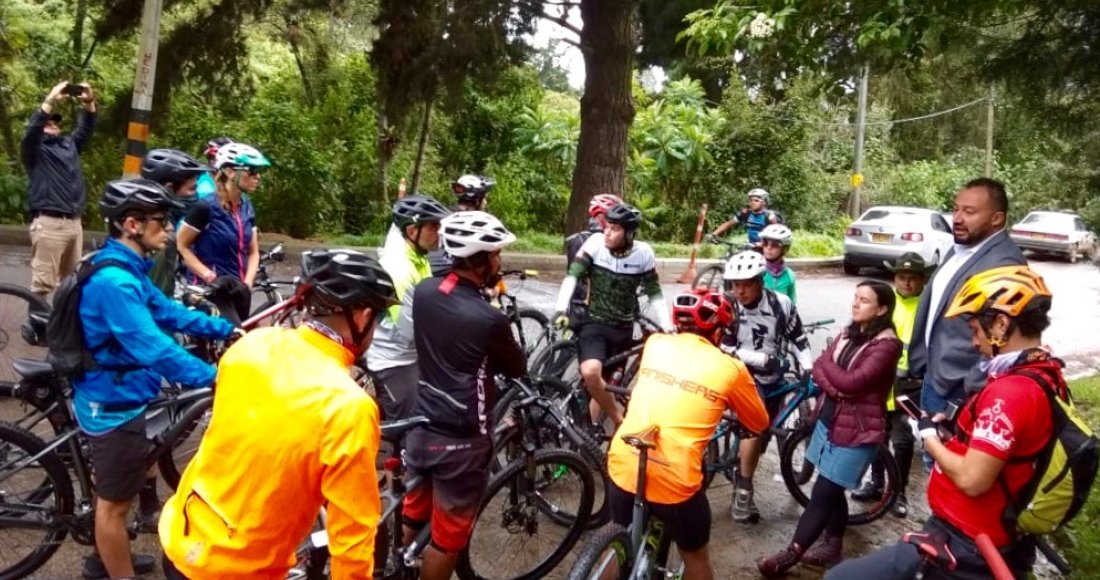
131,324
173,315
32,138
85,124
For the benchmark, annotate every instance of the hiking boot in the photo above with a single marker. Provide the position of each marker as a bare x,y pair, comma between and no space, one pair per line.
869,491
145,523
901,507
827,552
744,508
776,566
94,568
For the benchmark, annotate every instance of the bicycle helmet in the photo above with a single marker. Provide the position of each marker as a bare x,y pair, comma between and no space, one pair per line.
239,155
135,195
624,215
1011,290
213,145
472,187
170,166
701,310
417,209
347,280
468,232
602,202
758,192
744,266
777,232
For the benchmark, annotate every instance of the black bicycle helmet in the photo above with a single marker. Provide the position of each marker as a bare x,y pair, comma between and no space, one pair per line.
472,187
624,215
171,166
135,195
418,209
348,280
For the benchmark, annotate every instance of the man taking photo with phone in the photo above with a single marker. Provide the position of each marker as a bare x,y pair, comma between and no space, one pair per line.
56,194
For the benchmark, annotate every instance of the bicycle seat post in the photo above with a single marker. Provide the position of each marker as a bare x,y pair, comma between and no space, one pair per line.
638,513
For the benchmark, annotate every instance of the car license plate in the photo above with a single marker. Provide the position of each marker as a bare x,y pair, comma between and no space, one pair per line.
1037,236
881,238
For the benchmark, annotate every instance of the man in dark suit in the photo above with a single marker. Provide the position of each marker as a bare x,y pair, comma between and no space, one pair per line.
940,350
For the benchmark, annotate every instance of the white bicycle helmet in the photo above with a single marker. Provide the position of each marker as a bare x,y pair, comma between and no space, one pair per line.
744,266
777,232
466,233
239,155
758,192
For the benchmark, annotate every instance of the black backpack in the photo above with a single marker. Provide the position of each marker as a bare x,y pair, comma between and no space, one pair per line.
65,331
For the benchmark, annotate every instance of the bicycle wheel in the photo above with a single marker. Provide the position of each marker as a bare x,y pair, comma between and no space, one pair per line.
16,305
34,502
512,520
172,464
710,277
559,361
793,466
607,554
532,330
36,408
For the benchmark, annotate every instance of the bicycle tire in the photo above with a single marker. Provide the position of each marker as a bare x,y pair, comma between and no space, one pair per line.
532,329
865,512
523,521
14,440
559,360
607,548
16,304
172,464
710,278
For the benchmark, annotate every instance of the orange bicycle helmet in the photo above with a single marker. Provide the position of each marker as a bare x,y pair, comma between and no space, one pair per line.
1011,290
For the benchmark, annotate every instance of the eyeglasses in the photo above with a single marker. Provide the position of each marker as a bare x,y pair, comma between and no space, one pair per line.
767,243
253,171
163,220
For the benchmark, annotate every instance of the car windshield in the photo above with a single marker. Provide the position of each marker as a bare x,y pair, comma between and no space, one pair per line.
1049,219
883,214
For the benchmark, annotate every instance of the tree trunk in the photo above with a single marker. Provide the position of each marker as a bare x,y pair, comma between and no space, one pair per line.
425,124
607,107
6,133
78,32
302,71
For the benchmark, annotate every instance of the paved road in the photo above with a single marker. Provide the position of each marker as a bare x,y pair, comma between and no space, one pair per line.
1076,315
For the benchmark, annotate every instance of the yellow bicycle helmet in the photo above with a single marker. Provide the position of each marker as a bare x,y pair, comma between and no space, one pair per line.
1011,290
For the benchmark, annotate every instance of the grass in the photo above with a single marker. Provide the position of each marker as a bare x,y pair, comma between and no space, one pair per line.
1079,542
806,245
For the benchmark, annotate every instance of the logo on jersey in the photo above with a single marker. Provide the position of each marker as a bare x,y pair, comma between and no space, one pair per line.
683,385
759,333
993,426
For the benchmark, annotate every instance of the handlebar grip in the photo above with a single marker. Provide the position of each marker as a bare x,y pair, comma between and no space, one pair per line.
993,558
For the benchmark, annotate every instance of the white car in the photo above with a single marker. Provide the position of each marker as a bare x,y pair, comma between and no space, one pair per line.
884,233
1055,232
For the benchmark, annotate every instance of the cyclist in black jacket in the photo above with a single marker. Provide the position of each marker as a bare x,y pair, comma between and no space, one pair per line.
461,344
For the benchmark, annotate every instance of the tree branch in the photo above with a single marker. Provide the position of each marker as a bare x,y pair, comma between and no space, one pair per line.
560,21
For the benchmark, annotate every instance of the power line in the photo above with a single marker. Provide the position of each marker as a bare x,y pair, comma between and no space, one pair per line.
977,101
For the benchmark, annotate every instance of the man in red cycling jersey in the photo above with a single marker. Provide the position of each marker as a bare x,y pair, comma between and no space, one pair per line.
685,384
997,430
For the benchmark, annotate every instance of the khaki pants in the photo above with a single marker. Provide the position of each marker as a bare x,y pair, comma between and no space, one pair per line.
56,246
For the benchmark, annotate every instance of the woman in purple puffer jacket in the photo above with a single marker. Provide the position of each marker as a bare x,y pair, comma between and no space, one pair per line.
855,374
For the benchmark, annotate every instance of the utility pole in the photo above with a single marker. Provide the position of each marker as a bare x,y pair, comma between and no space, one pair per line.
141,105
861,129
989,135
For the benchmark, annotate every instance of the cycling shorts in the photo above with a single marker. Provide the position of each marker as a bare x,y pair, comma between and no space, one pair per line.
600,340
455,471
688,522
120,459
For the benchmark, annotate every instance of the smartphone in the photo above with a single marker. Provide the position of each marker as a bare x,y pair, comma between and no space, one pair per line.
74,90
908,405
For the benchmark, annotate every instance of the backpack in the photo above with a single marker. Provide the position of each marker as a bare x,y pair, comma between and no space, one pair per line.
1065,467
64,330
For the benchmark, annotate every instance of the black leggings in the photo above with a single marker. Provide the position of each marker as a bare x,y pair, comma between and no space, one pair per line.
828,511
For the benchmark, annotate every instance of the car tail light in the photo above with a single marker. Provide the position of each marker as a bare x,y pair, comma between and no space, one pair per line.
913,237
1017,232
853,232
1059,237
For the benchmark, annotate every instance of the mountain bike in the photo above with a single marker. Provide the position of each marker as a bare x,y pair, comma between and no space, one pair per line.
639,551
38,507
267,292
530,327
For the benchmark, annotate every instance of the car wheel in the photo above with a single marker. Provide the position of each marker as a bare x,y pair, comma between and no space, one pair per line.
1074,254
850,268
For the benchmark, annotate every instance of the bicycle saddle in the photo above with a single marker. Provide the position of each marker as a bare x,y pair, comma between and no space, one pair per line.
32,369
644,439
393,431
932,546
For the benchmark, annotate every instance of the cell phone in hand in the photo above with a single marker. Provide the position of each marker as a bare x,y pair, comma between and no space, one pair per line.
908,405
74,90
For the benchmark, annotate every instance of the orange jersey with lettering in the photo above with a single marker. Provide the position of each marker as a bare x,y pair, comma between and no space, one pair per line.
684,385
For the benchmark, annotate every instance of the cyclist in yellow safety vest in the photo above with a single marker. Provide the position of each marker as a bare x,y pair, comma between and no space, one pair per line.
910,274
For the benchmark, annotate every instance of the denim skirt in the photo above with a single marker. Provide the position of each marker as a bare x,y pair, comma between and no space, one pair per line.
843,466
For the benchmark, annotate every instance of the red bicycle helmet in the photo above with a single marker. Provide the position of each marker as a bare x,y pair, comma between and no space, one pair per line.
601,203
701,311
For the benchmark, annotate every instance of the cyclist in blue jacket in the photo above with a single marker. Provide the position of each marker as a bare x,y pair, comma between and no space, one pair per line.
127,324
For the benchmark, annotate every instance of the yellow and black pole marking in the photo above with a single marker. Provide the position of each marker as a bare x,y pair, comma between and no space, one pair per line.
141,106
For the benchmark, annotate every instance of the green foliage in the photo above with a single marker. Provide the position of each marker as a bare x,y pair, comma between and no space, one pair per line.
1080,541
13,191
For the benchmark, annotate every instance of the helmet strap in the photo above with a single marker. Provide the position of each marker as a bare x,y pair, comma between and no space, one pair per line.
996,343
415,241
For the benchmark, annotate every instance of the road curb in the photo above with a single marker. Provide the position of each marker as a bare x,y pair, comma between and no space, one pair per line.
667,268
